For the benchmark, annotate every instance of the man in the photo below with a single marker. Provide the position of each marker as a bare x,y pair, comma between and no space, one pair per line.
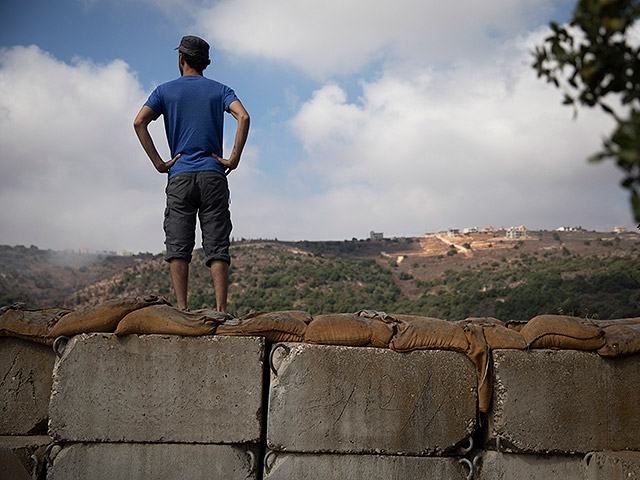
193,108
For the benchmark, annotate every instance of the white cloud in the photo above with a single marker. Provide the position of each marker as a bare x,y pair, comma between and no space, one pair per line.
73,172
337,36
482,142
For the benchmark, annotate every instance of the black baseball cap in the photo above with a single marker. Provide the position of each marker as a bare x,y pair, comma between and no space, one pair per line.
194,47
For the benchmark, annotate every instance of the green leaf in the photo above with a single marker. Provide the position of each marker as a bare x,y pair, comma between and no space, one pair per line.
629,156
614,24
598,157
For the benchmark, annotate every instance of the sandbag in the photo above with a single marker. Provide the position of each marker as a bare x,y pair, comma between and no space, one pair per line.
619,321
480,321
420,333
349,329
169,320
516,325
560,331
103,317
495,333
374,314
381,335
284,326
34,325
503,337
479,354
621,337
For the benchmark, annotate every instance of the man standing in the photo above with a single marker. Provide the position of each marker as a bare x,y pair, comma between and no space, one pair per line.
193,108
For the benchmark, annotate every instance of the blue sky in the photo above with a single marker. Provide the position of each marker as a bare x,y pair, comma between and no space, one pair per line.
407,117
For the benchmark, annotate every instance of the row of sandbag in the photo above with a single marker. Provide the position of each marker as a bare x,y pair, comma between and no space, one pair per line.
154,314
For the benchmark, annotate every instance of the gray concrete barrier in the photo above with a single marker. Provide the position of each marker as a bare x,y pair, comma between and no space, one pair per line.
158,388
125,461
309,466
192,407
612,466
25,386
369,400
21,457
564,401
498,465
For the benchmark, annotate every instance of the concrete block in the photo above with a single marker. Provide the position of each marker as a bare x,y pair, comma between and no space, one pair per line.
17,455
158,388
506,466
168,461
369,400
25,386
612,466
310,466
564,401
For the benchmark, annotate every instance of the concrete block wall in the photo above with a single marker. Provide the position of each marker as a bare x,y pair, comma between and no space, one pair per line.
286,466
25,386
340,399
157,406
564,401
25,389
161,406
499,465
362,413
126,461
158,389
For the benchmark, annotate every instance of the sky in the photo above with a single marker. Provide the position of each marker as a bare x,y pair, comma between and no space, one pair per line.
402,117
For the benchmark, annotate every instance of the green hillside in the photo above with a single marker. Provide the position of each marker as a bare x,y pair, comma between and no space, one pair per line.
583,274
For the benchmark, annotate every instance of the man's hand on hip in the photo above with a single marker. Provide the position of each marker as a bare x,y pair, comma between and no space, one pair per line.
229,164
163,167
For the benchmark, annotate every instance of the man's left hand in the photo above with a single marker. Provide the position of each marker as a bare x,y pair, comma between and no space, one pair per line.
228,164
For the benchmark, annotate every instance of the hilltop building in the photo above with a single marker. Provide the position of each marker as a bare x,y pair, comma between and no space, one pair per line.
569,229
515,233
619,229
376,235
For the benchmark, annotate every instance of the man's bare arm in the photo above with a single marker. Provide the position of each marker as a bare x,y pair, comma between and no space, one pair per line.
140,125
242,117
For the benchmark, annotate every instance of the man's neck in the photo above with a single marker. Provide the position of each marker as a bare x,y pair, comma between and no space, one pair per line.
190,71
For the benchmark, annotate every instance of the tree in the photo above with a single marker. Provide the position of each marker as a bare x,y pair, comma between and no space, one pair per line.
593,60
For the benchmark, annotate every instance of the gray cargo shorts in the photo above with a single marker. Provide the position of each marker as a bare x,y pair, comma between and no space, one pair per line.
205,194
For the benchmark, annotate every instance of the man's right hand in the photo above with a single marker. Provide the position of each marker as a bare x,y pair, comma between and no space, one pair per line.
163,167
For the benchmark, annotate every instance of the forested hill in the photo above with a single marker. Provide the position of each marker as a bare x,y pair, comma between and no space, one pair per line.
582,273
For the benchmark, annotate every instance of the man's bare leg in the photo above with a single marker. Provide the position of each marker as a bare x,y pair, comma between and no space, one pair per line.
220,275
180,278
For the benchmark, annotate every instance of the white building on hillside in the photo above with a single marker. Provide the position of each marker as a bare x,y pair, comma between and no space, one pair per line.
514,233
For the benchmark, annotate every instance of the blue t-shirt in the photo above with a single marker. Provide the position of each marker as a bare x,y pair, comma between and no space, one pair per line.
193,109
